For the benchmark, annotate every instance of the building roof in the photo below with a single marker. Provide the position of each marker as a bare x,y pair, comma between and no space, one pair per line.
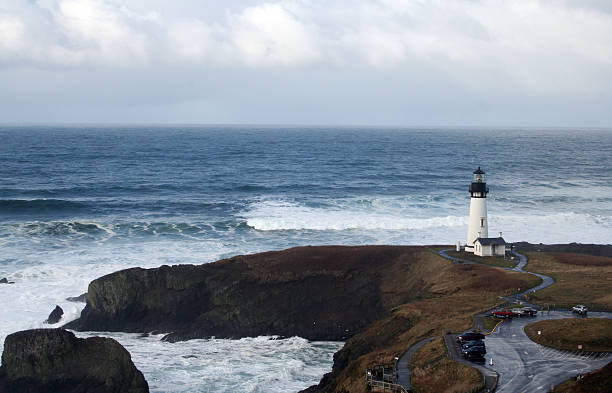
479,171
487,241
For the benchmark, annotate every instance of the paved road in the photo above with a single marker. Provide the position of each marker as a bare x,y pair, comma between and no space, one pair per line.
546,280
525,366
404,374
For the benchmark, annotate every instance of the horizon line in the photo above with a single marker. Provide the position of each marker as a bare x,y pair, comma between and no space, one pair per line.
301,125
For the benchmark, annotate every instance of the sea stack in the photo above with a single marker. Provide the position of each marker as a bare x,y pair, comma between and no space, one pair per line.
55,360
478,226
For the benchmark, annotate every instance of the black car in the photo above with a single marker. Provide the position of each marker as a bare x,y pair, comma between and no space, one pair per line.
474,352
529,311
470,336
470,344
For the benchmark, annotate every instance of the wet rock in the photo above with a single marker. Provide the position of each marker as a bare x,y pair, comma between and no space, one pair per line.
55,360
81,298
55,315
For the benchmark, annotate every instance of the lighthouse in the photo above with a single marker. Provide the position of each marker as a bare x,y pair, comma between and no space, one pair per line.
478,226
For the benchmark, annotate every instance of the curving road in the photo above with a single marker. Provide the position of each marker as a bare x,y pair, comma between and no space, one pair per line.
523,365
546,280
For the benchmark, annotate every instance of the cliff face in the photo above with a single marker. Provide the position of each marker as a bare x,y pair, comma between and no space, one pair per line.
320,293
54,360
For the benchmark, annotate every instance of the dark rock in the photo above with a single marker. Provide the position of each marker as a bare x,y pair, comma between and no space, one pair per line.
54,360
81,298
319,293
55,315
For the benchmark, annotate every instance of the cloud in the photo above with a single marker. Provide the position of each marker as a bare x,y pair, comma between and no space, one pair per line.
554,50
269,34
296,33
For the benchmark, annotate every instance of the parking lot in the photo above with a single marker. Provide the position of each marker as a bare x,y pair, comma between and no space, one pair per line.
524,366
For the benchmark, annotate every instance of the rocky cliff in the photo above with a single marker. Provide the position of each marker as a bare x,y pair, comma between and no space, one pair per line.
54,360
320,293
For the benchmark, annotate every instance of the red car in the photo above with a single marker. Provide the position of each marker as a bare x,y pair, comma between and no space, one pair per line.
504,313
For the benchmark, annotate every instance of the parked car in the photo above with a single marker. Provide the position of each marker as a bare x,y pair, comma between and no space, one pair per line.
470,336
470,344
503,313
530,311
523,311
474,352
580,309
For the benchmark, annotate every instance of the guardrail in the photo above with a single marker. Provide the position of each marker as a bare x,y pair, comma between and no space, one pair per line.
381,386
383,378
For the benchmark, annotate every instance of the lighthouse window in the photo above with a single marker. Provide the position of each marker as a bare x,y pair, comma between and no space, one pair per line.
482,222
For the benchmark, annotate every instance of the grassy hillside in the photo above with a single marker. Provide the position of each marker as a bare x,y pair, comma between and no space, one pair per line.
580,279
450,295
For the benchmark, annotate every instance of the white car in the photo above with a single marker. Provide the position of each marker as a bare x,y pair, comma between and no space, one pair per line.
580,309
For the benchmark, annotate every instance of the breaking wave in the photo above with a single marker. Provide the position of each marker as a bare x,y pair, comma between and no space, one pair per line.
278,215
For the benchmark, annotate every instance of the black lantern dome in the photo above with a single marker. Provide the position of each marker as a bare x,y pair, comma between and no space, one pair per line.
479,188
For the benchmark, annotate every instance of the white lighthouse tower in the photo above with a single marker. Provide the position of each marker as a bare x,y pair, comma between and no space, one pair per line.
478,225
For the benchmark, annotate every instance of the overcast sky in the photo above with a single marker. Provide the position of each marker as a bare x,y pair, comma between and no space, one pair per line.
384,62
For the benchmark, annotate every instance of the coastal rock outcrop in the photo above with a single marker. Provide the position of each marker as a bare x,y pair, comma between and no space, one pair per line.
82,298
55,360
319,293
55,315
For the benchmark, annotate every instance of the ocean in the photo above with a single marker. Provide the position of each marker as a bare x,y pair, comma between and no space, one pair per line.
78,202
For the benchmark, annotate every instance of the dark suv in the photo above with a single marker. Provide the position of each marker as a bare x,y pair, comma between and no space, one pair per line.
475,352
470,344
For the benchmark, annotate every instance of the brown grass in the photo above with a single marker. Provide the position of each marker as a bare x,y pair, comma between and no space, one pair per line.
493,261
450,295
581,279
430,353
594,334
446,376
598,381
